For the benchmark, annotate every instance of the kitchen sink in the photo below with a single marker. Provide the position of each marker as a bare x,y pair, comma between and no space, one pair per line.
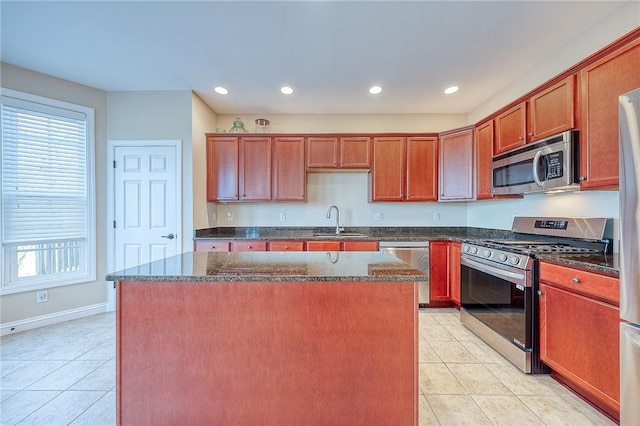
341,235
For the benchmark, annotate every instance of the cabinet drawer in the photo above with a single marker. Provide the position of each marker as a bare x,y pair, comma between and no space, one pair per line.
588,283
360,246
286,246
211,246
249,246
323,245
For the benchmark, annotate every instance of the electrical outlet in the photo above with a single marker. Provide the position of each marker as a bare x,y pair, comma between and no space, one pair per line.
229,216
436,217
283,216
213,217
42,296
379,216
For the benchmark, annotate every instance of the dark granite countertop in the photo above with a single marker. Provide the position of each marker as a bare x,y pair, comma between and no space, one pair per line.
455,233
607,264
273,266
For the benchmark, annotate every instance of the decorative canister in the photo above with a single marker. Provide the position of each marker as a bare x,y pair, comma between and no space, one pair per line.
238,127
262,125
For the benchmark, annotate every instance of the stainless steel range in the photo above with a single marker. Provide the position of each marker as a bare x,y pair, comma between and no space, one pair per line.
499,281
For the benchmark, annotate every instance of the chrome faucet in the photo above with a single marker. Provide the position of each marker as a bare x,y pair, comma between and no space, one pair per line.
337,218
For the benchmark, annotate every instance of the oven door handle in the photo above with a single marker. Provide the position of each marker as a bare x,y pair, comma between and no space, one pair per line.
514,277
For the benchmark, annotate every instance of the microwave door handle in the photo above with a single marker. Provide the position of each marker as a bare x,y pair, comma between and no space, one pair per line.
536,161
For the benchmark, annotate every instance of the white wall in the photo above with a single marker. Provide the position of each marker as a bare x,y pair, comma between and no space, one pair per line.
625,20
158,115
21,306
348,191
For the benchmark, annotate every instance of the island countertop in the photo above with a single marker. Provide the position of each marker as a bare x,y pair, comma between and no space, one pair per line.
273,266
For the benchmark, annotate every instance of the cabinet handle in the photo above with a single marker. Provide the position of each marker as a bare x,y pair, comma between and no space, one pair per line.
575,280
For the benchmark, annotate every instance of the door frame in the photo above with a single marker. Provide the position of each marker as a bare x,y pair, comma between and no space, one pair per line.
111,205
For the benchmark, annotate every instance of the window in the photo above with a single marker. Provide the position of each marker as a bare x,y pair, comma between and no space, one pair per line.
48,215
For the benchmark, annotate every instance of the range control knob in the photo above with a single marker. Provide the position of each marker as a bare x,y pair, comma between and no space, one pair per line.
502,257
474,250
465,248
514,260
486,253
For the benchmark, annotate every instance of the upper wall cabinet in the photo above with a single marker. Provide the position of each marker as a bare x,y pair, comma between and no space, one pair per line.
546,113
404,169
484,154
552,111
289,175
349,152
601,83
456,165
255,168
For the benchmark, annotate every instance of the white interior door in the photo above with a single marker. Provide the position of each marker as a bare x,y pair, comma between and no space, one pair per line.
146,205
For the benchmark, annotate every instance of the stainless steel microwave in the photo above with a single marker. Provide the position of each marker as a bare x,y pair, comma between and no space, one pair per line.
545,165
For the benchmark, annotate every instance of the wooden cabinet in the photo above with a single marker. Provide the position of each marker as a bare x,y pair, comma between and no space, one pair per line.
255,169
387,179
286,246
579,334
439,273
404,169
484,157
222,168
289,174
349,152
317,245
552,110
453,260
203,245
511,129
600,84
350,245
456,165
248,246
422,169
359,246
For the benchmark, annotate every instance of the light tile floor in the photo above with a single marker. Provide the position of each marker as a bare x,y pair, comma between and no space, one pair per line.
64,374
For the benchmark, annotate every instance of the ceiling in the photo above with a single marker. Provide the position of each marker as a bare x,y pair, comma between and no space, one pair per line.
330,52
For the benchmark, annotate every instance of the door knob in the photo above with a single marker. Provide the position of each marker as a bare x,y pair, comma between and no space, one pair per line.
170,236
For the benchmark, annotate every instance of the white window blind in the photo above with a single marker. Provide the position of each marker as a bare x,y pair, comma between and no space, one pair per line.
47,213
44,185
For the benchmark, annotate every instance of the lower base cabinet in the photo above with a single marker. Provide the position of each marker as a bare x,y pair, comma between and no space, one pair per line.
444,274
579,336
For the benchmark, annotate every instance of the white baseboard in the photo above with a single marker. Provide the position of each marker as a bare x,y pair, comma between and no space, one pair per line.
49,319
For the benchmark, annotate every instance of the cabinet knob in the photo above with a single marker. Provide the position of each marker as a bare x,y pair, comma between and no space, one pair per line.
575,280
581,178
520,138
530,133
540,292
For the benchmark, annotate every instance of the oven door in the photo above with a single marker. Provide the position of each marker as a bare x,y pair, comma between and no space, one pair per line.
500,297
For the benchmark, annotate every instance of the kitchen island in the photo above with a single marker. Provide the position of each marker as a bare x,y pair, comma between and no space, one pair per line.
268,338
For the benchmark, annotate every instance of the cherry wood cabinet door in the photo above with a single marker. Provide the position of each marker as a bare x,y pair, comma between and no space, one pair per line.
456,165
248,246
322,152
255,169
439,272
579,340
552,111
422,169
286,246
289,173
211,246
510,129
323,245
601,83
484,157
355,152
222,169
359,246
454,271
388,169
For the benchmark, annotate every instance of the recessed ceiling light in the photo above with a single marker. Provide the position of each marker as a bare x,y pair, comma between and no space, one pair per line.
375,90
451,90
286,90
221,90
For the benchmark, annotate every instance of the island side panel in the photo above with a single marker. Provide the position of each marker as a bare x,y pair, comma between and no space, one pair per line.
267,353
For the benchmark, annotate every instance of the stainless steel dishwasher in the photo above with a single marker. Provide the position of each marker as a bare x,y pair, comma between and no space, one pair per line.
416,254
